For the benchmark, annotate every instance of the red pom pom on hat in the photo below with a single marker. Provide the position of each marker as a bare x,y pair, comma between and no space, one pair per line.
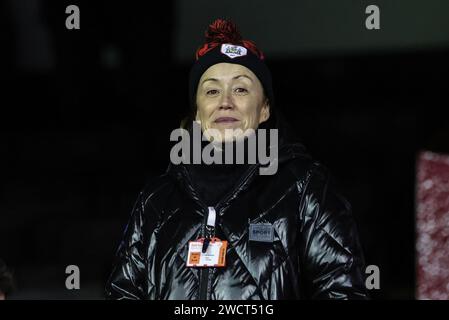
225,31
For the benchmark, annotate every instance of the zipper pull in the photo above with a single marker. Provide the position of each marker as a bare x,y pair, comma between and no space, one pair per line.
210,228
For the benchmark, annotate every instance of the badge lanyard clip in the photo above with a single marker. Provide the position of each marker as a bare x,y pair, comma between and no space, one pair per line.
210,227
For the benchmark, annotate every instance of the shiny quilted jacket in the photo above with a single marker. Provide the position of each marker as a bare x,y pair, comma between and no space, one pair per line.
314,252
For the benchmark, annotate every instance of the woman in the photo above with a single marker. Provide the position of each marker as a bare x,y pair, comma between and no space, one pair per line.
227,231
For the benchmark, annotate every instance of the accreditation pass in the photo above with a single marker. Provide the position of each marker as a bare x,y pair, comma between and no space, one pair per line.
214,256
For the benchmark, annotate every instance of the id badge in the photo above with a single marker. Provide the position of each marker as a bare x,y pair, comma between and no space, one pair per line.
215,255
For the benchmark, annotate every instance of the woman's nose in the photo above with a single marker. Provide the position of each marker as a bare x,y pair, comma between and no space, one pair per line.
226,102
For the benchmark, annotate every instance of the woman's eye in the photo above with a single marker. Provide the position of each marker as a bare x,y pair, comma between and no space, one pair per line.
211,92
241,90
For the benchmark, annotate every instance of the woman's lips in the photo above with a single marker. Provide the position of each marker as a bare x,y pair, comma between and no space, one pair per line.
226,120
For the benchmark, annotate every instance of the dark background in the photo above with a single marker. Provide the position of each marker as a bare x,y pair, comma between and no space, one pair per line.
86,116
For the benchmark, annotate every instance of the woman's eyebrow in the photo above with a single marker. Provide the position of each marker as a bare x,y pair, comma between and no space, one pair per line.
234,78
243,75
209,79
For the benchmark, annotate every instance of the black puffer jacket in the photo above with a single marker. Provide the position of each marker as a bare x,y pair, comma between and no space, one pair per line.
315,252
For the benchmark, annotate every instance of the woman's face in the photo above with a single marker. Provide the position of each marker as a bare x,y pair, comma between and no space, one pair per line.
230,96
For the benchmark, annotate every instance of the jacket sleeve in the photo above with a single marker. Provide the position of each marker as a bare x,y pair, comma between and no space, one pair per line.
128,280
331,256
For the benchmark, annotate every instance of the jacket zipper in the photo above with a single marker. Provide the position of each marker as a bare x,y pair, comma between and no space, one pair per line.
208,234
204,273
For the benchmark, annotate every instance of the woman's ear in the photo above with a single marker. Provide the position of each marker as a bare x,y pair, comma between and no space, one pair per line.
265,112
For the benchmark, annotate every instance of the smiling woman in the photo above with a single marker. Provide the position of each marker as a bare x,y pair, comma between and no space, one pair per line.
226,231
230,96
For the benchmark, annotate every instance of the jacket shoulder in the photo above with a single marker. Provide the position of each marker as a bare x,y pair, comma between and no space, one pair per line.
156,193
298,162
304,168
156,187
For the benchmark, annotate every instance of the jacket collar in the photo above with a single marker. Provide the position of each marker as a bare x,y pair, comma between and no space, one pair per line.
287,152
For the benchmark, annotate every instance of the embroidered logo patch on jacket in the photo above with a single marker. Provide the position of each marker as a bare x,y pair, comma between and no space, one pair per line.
261,232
